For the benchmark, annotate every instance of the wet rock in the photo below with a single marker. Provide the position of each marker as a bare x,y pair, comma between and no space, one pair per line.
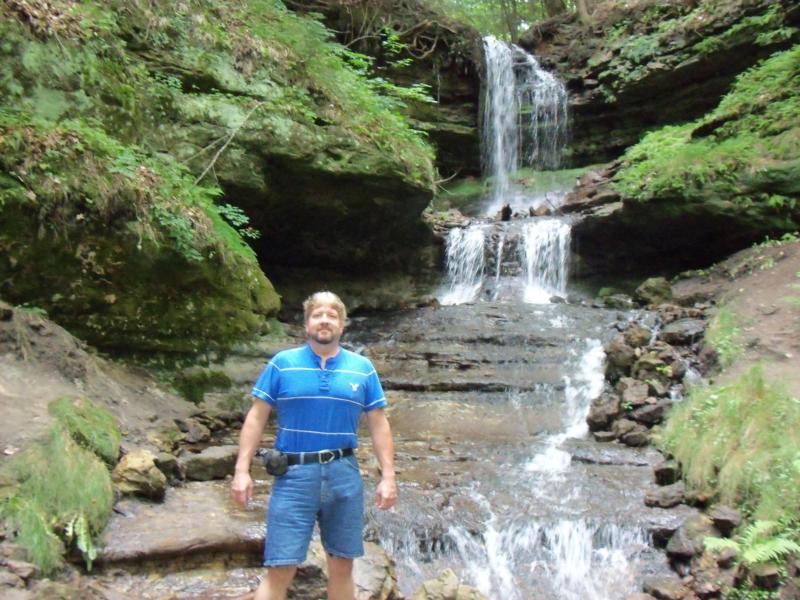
623,426
604,436
619,356
726,557
637,336
665,588
20,568
194,431
651,414
168,464
620,301
215,462
657,388
725,518
636,438
688,540
137,474
10,580
634,392
666,472
766,576
446,587
650,366
655,290
603,411
683,332
666,496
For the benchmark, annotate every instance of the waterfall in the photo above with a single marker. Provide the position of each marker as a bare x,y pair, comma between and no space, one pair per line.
465,264
546,254
524,123
524,115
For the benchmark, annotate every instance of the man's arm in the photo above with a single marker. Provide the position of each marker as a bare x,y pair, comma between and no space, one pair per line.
242,484
381,433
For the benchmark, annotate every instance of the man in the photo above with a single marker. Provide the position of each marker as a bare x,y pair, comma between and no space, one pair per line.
319,391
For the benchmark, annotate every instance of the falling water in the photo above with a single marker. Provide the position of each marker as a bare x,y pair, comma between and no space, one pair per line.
465,264
562,555
524,117
546,254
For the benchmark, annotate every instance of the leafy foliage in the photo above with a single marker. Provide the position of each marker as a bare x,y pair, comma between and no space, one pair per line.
761,542
741,157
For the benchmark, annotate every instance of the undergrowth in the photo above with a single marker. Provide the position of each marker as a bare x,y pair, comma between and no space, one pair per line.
744,156
739,443
63,494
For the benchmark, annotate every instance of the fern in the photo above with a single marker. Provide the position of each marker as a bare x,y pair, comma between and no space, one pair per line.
761,542
77,531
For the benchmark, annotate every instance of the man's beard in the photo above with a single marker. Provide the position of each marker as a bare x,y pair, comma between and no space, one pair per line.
329,340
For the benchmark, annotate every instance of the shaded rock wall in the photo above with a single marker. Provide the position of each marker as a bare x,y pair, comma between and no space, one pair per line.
444,55
648,64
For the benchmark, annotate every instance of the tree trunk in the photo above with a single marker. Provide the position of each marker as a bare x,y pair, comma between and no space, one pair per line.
584,9
554,7
511,17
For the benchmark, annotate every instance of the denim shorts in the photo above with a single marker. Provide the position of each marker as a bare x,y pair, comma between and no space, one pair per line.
332,494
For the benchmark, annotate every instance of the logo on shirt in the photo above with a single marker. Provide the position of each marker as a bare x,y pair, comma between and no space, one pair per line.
354,387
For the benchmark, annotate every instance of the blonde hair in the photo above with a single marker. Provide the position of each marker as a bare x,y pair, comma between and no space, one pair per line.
327,298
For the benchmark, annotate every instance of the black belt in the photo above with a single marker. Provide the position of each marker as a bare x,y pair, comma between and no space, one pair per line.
323,457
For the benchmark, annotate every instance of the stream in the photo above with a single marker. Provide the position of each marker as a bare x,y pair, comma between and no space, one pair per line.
488,393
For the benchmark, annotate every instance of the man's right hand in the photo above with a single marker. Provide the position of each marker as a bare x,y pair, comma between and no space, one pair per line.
242,488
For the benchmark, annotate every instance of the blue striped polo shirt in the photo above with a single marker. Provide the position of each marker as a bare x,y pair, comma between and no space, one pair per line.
318,409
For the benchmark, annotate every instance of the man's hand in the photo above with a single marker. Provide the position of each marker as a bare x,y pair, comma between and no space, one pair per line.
386,494
242,488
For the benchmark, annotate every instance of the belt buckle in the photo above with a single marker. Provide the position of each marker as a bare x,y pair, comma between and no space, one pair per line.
326,456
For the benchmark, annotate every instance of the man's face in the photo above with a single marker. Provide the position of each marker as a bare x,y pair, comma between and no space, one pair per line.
324,325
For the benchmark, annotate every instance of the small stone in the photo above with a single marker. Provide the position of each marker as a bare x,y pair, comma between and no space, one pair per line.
666,472
689,538
666,496
683,332
665,588
215,462
9,580
195,432
168,464
604,436
726,557
138,474
637,336
639,596
766,576
725,518
21,568
655,290
651,414
636,438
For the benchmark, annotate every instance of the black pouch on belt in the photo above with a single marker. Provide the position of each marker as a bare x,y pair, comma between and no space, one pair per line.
274,462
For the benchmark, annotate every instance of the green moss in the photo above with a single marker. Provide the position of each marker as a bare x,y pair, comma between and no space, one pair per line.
91,426
194,383
64,493
739,159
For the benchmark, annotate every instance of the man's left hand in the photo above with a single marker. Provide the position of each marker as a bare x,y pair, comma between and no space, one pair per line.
386,494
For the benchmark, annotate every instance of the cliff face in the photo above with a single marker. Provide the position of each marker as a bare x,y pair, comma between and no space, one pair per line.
646,64
413,44
137,140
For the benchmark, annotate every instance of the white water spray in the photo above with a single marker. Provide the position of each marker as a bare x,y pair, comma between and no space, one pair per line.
465,264
546,255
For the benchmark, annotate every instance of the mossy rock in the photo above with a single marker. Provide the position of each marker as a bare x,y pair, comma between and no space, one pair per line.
193,383
91,426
